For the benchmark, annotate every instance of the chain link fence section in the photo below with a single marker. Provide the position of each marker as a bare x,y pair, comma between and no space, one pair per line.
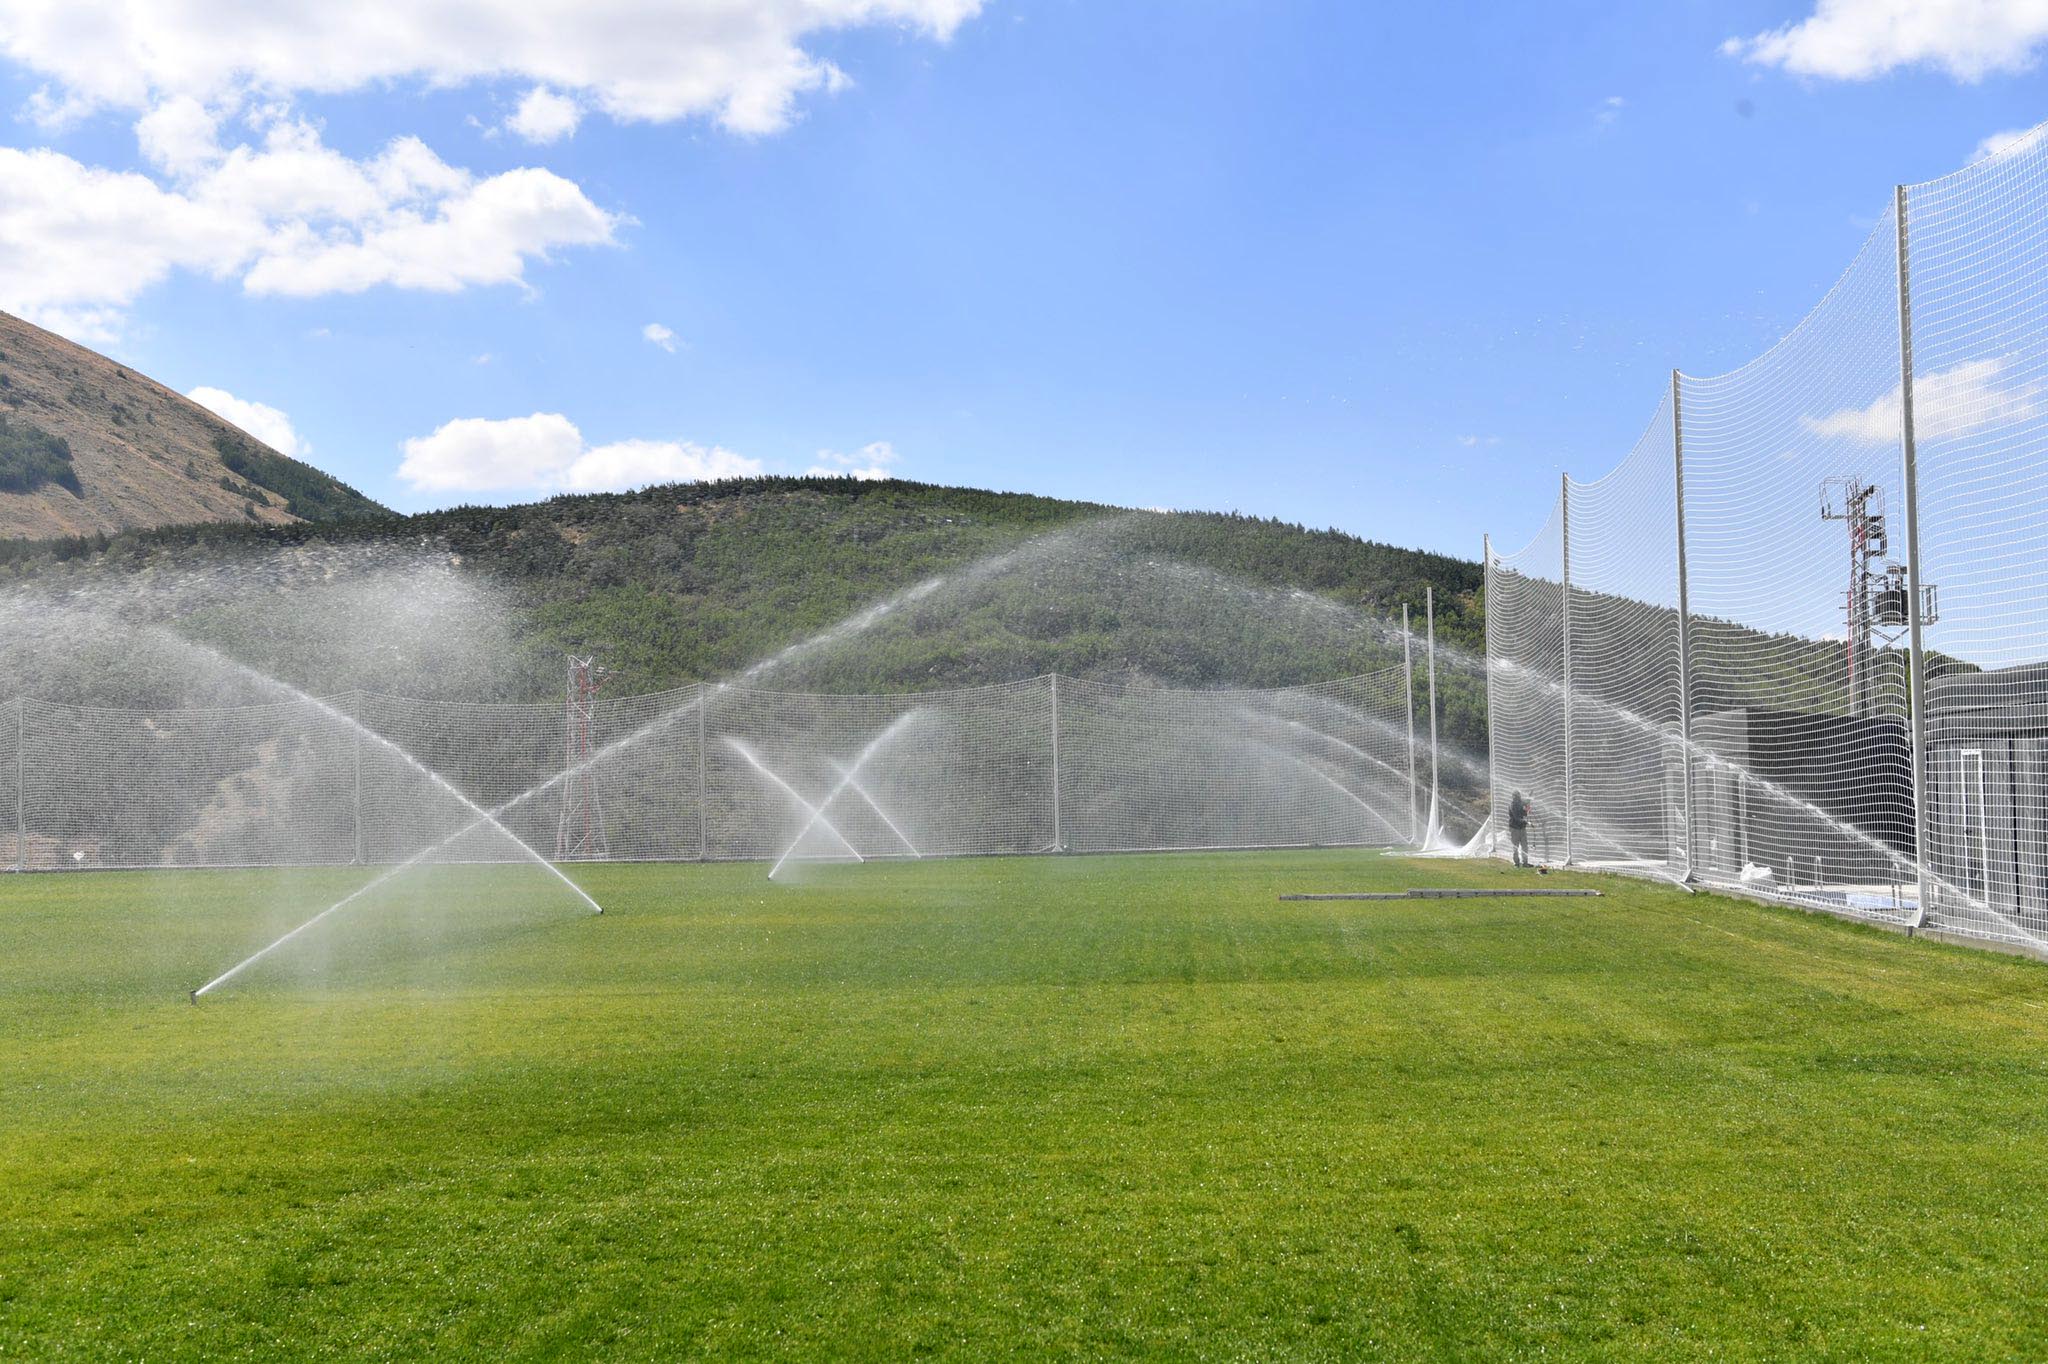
1847,661
713,772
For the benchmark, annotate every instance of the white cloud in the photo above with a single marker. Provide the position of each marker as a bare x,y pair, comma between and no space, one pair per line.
544,116
1470,441
1861,39
1610,109
289,216
871,461
660,336
744,64
477,454
1945,403
2006,143
637,463
260,420
545,453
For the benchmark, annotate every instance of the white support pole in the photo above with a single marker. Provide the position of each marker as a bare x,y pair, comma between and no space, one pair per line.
1916,688
1564,505
1408,678
1492,712
1687,833
1435,810
356,763
1058,839
703,793
20,784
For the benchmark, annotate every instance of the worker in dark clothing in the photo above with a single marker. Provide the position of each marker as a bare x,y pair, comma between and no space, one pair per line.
1518,828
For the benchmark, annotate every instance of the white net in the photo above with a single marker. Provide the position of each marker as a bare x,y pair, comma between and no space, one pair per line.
1800,779
1979,273
711,772
1143,768
1525,688
1627,788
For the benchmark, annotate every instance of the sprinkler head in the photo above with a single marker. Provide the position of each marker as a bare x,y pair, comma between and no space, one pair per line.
194,997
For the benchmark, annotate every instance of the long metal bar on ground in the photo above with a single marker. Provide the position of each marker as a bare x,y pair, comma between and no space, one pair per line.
1449,895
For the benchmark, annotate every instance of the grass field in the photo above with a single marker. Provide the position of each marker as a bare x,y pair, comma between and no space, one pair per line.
1098,1106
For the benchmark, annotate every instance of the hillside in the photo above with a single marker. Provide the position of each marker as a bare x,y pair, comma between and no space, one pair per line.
680,583
89,446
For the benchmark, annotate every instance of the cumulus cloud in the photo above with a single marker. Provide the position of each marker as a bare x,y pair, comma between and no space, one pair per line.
260,420
288,215
638,463
659,335
871,461
744,64
1948,402
545,453
544,116
1862,39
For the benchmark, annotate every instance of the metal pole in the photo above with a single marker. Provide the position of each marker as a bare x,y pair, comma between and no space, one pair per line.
703,797
1564,504
1492,713
1408,674
1684,621
356,761
1917,675
20,784
1429,604
1057,844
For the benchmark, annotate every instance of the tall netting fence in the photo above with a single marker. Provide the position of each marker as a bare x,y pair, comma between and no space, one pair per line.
1740,598
1625,698
712,772
1525,691
1978,265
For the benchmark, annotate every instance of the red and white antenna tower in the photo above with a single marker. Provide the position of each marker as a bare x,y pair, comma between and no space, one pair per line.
580,835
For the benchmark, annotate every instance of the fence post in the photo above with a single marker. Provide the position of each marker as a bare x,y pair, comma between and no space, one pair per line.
1564,505
1435,816
703,791
1408,677
1916,677
1058,844
1684,624
20,783
1492,713
356,759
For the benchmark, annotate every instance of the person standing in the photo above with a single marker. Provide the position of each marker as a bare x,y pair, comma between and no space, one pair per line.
1518,828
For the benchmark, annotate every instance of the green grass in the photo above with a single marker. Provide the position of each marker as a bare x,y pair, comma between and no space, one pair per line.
1088,1106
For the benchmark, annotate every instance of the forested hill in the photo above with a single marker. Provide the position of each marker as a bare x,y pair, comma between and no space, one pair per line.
686,582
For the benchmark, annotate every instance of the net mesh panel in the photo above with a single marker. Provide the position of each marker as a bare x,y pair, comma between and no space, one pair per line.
1525,646
13,812
923,774
1627,767
488,753
719,772
1803,778
1979,268
258,785
1796,537
1143,768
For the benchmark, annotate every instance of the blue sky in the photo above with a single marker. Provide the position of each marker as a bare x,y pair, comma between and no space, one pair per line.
1386,268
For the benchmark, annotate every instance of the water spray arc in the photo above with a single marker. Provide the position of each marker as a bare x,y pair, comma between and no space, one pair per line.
817,815
849,778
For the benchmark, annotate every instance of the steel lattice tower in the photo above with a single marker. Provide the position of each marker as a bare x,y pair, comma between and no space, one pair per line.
580,835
